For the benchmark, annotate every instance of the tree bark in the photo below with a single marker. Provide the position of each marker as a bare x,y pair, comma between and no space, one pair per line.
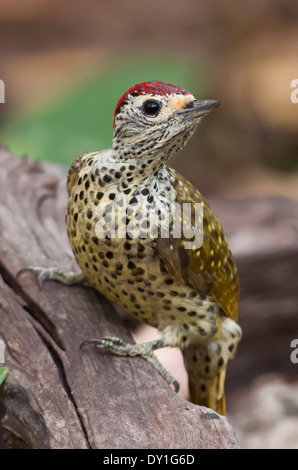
55,395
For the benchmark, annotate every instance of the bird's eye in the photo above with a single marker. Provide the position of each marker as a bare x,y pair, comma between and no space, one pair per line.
152,107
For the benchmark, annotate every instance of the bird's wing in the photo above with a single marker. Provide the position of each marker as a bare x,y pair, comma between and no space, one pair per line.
74,171
210,268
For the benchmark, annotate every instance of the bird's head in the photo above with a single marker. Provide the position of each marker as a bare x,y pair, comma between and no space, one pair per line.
156,118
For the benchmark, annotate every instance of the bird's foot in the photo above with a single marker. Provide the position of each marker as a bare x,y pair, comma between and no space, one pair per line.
68,278
144,350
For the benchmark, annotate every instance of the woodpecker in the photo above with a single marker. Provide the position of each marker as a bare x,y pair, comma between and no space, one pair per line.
184,284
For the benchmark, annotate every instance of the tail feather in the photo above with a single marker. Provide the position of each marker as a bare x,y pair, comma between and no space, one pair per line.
209,393
206,370
206,366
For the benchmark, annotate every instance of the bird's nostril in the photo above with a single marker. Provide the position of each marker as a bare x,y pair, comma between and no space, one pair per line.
190,105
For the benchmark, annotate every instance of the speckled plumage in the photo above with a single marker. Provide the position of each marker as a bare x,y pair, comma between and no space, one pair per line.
190,295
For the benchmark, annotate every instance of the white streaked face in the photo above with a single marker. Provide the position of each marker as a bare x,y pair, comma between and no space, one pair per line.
154,118
149,111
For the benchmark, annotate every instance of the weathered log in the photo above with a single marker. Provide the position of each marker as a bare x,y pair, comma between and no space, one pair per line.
55,395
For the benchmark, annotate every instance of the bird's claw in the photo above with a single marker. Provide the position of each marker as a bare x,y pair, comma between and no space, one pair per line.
68,278
40,273
97,341
144,350
176,385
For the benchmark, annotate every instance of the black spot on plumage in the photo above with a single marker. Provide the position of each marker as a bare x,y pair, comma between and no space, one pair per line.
131,265
160,294
133,200
138,271
191,313
107,178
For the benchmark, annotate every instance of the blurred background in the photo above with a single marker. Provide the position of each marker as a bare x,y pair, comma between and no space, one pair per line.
65,65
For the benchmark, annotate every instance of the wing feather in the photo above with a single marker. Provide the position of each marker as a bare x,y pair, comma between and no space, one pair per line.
209,269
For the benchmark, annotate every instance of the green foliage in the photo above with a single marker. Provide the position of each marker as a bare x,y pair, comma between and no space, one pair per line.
81,119
3,374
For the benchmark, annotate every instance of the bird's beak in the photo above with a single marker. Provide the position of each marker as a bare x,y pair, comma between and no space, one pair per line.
198,108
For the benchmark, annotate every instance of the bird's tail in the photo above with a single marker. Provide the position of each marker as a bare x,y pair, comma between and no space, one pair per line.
206,368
